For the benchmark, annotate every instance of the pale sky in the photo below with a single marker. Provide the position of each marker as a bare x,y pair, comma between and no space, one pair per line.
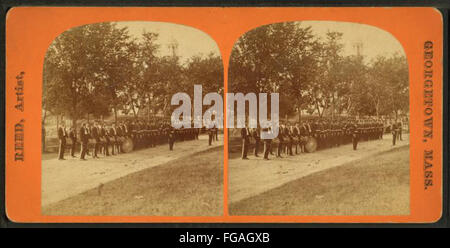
191,41
375,40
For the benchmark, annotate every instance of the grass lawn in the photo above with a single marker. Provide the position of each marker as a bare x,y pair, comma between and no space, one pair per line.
189,186
378,185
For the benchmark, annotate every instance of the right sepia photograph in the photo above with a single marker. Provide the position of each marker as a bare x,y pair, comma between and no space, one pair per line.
343,135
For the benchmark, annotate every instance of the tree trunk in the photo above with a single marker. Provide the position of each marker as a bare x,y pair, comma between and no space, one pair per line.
377,103
134,112
115,116
45,116
74,106
148,111
74,123
318,108
332,108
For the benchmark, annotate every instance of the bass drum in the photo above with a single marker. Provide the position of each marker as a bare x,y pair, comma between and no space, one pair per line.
127,145
311,144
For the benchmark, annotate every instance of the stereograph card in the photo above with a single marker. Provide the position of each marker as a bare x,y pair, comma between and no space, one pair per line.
224,115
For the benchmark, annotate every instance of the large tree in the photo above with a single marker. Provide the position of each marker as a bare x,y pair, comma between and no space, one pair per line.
388,85
79,63
275,58
314,74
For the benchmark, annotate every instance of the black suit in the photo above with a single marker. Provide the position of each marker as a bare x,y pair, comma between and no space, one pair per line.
171,135
281,141
96,136
73,137
216,133
267,145
394,130
296,137
255,134
289,140
210,136
353,130
62,142
105,135
84,137
245,134
113,140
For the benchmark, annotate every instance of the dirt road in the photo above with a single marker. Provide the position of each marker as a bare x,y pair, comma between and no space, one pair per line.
249,178
63,179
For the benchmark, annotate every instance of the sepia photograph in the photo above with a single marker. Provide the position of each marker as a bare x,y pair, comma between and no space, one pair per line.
224,115
108,144
343,135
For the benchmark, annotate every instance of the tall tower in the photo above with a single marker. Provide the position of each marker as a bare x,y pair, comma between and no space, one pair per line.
358,47
173,47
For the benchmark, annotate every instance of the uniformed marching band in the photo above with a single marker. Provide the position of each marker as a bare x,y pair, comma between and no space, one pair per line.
101,138
317,134
104,139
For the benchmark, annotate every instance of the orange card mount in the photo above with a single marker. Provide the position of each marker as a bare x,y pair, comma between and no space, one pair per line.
94,81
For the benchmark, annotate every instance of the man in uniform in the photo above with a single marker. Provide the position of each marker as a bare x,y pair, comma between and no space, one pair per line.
107,140
304,133
95,133
171,136
84,138
245,135
281,141
113,139
210,135
289,139
89,136
267,145
352,128
62,135
73,138
394,130
256,136
297,137
120,138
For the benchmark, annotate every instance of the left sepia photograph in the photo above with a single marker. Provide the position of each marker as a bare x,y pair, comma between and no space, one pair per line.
108,144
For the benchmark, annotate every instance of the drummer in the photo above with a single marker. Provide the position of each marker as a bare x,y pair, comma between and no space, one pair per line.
113,139
105,139
256,136
297,138
119,139
267,144
353,130
89,137
171,136
305,133
84,138
280,139
95,139
289,139
73,138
